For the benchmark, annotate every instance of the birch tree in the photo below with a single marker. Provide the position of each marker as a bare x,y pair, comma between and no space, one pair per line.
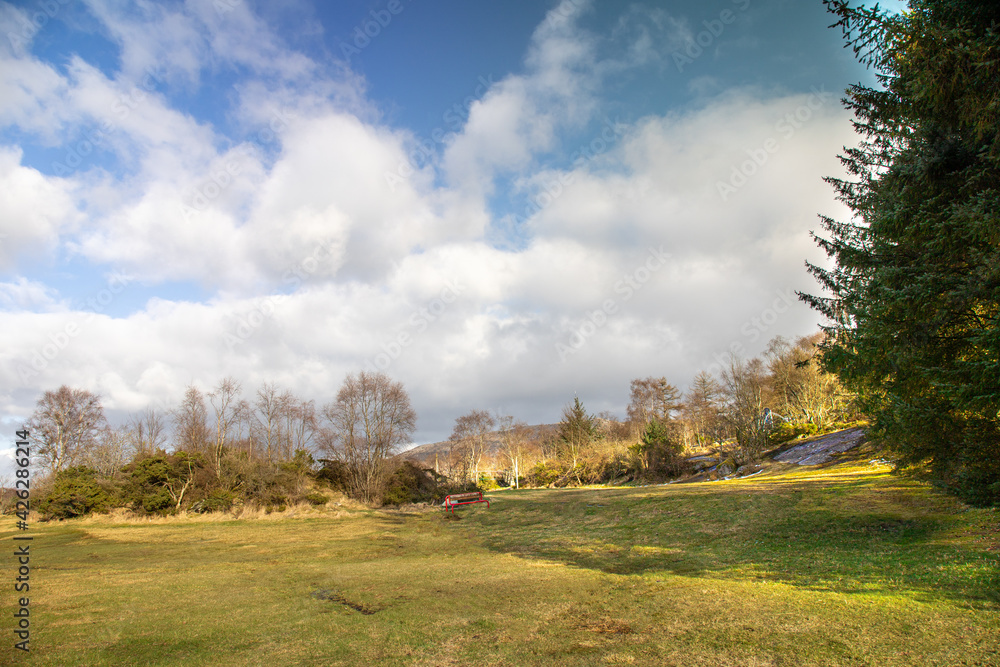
368,421
65,426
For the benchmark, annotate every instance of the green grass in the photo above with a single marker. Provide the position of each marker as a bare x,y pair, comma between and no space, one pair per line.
841,566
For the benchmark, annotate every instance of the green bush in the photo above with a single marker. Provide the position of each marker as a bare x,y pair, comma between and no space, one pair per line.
301,464
148,482
77,491
974,476
316,498
487,482
658,455
545,473
274,501
262,483
219,500
410,483
157,502
335,474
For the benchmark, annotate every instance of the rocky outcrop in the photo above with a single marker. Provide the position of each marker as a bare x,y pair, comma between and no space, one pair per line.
822,449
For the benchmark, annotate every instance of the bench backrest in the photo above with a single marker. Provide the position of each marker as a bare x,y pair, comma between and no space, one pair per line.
466,496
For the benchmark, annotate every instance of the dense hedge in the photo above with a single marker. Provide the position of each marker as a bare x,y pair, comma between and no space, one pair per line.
164,483
75,492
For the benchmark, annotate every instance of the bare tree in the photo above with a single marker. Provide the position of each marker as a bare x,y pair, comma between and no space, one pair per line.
744,383
457,462
265,424
515,437
191,431
369,420
702,408
611,428
472,433
8,499
652,398
242,430
147,432
299,424
112,450
802,390
225,402
65,426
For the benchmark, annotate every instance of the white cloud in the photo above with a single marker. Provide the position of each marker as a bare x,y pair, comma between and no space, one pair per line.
519,116
152,37
34,210
28,295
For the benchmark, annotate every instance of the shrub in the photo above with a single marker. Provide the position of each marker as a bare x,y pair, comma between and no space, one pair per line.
218,500
658,454
316,498
301,463
154,483
335,474
261,483
157,502
409,483
487,483
75,492
545,473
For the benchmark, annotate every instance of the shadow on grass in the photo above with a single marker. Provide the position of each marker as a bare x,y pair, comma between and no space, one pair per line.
841,533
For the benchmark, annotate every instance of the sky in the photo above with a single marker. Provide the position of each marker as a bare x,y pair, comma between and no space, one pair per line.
500,205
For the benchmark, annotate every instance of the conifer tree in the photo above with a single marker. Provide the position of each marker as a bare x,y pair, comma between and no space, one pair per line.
914,297
577,431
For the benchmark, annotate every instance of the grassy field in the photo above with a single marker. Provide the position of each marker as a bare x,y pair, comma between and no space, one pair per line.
846,565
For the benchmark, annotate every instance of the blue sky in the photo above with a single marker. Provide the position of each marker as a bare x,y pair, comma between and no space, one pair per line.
501,205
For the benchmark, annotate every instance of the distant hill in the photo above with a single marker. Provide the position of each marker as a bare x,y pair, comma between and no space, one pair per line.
424,454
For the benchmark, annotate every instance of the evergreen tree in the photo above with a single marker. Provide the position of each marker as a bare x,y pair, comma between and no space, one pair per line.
577,431
915,293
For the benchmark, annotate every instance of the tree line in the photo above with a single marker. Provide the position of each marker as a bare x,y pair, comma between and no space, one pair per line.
750,406
219,449
222,449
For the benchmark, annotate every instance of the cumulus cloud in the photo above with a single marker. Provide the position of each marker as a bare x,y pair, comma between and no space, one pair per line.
28,295
34,210
519,117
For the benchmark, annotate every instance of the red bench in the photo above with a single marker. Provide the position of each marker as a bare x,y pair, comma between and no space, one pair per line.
454,500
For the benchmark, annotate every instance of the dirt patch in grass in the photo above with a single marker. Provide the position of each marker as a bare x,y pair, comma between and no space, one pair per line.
333,596
608,627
